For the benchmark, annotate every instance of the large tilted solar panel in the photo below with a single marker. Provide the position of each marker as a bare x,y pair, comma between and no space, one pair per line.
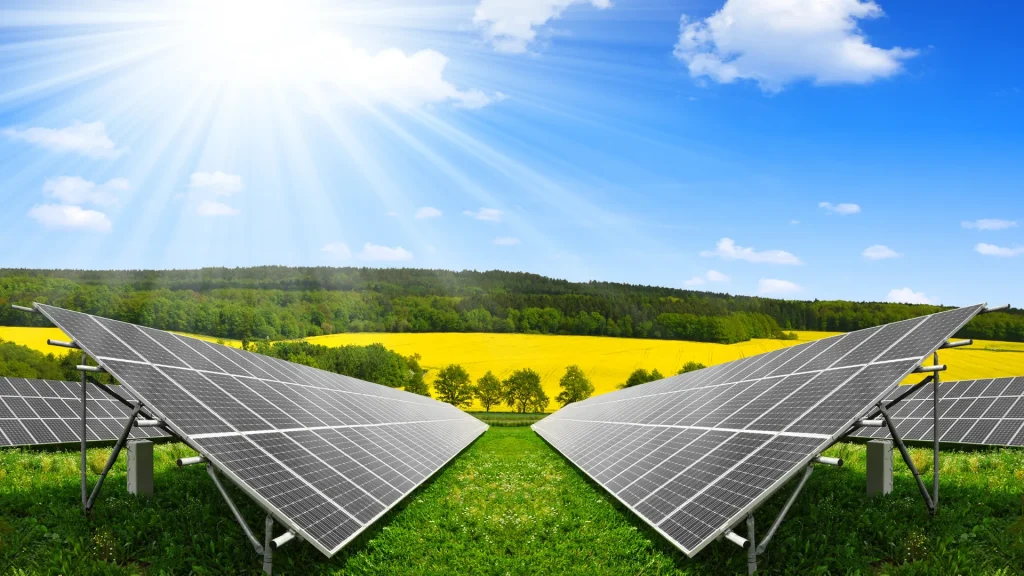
37,412
325,454
985,412
692,454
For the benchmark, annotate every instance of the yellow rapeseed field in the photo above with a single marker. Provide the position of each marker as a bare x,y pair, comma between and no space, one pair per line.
607,361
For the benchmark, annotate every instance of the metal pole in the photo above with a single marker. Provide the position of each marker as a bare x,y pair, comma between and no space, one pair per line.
752,548
85,436
234,510
113,457
785,509
935,438
268,549
906,456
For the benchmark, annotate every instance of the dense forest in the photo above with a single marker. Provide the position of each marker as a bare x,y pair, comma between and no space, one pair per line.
273,303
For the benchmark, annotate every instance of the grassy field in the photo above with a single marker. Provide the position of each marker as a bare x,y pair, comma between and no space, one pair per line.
510,505
608,361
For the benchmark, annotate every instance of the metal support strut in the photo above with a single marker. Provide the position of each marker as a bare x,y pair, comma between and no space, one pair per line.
906,457
85,439
110,461
754,549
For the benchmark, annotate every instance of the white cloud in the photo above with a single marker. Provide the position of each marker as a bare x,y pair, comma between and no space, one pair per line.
75,190
391,76
879,252
709,276
376,253
211,208
63,216
908,296
510,25
794,222
427,212
506,241
773,287
727,249
488,214
843,209
1003,251
989,224
337,250
218,183
87,139
776,42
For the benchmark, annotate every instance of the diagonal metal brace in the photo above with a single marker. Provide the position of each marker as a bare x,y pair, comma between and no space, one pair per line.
113,457
234,509
906,457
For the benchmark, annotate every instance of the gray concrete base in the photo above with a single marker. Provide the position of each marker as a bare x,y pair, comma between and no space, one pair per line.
140,467
879,467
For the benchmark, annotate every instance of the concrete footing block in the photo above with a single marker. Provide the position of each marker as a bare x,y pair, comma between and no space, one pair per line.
140,467
879,467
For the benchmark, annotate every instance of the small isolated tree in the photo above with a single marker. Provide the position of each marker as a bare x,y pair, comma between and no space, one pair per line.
523,390
453,386
416,383
489,391
641,376
575,386
691,366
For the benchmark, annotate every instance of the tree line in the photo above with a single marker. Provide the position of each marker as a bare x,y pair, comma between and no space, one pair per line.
285,303
521,390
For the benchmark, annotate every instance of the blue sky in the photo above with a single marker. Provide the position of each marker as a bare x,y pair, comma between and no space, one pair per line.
794,148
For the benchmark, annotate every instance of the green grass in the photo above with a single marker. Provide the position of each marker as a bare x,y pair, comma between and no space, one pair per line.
511,505
500,419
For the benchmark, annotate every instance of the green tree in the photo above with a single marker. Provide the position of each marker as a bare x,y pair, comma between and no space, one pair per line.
417,384
691,366
575,386
453,386
641,376
489,391
523,390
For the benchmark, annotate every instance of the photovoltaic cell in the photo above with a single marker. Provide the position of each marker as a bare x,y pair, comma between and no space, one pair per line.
986,412
327,454
36,412
692,454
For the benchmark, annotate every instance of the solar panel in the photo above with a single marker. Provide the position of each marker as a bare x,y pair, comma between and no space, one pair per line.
988,412
325,454
38,412
694,453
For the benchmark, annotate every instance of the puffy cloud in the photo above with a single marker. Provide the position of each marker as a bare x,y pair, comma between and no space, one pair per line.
67,217
86,139
213,209
427,212
377,253
709,276
488,214
776,42
510,25
774,287
75,190
506,241
908,296
217,183
727,249
879,252
1002,251
989,224
843,209
337,250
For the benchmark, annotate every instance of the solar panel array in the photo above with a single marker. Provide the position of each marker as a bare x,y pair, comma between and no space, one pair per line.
984,412
37,412
325,454
692,454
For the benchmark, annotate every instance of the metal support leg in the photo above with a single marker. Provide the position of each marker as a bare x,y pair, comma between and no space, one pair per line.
906,456
751,545
85,437
785,510
935,438
113,457
268,548
234,510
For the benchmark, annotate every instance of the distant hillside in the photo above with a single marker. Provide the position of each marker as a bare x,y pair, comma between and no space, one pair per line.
275,302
